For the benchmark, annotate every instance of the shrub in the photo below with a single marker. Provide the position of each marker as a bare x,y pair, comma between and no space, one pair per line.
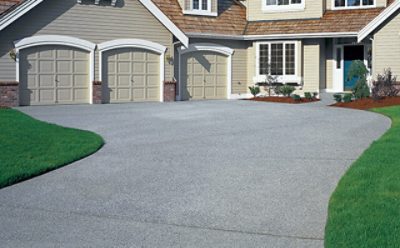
315,94
254,90
385,85
308,95
287,90
277,90
347,97
359,70
338,97
296,97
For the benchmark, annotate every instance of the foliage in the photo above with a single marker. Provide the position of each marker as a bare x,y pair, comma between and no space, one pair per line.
315,95
287,90
364,209
30,147
338,97
277,90
296,97
385,85
347,97
308,95
359,71
254,90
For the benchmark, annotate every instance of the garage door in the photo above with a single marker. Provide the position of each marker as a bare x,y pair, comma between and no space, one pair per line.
133,75
54,75
206,76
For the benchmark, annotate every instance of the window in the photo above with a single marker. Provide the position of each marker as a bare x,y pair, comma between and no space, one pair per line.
279,5
353,3
283,2
277,59
201,5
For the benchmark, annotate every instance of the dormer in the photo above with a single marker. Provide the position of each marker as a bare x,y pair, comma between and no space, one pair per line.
199,7
97,2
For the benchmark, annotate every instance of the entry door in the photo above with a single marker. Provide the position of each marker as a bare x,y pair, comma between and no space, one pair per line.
351,54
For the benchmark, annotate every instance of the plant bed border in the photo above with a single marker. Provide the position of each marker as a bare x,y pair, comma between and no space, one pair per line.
279,99
369,103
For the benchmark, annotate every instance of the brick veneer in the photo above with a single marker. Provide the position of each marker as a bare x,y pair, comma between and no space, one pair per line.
169,91
9,94
97,92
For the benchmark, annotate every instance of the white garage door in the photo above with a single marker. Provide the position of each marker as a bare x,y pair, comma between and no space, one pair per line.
54,75
205,75
132,75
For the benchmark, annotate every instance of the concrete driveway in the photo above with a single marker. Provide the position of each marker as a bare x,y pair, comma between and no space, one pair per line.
191,174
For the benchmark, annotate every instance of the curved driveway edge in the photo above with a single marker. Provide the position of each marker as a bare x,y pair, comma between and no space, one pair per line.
191,174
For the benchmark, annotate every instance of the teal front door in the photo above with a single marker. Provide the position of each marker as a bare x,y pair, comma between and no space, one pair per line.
351,54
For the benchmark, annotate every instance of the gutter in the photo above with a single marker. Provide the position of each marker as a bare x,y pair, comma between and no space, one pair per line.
273,36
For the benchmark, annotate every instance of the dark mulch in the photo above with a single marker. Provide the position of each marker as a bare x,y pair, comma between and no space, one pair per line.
369,103
282,99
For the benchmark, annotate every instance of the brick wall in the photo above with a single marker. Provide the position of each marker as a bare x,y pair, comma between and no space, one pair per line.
97,92
9,94
169,91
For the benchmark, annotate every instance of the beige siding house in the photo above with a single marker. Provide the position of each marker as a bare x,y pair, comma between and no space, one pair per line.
102,51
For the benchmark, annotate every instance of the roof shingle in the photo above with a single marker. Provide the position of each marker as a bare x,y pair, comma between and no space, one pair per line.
7,5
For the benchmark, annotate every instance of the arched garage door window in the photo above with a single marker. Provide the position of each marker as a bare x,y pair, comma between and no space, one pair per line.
55,69
202,68
133,70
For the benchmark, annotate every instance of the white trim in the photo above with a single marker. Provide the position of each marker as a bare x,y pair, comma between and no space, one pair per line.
282,8
240,96
200,13
42,40
211,48
166,21
281,78
273,36
206,47
389,11
135,43
362,6
18,12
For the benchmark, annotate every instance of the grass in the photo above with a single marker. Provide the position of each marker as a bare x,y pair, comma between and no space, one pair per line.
29,147
364,210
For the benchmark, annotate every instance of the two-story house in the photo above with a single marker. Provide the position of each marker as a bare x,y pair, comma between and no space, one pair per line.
60,51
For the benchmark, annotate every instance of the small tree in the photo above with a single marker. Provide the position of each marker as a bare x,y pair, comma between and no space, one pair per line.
385,85
254,90
359,71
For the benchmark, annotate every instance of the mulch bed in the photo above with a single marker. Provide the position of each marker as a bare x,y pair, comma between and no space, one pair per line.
281,99
368,103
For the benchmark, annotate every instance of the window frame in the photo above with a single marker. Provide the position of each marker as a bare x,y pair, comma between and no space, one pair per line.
284,77
353,7
283,8
200,9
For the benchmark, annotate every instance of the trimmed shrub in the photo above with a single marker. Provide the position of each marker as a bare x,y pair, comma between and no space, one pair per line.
254,90
296,97
287,90
338,97
347,97
308,95
359,70
385,85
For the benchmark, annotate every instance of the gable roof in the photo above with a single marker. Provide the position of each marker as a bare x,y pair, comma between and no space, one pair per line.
377,21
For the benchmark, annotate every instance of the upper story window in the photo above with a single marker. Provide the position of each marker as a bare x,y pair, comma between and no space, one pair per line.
283,5
200,7
340,4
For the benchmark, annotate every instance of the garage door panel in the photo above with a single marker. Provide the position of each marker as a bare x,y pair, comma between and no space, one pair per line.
138,71
206,75
50,75
80,94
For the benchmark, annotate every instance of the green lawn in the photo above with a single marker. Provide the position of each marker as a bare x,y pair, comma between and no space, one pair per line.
364,210
29,147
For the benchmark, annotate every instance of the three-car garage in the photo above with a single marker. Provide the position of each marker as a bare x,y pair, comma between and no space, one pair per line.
55,69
